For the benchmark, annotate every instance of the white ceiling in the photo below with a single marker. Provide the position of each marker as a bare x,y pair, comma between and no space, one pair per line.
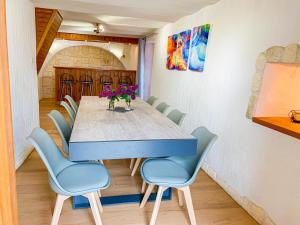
121,17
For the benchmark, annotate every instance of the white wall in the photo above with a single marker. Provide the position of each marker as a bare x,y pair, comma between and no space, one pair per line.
258,163
24,88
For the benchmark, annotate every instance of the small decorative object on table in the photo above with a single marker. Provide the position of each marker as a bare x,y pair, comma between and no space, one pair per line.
295,116
126,92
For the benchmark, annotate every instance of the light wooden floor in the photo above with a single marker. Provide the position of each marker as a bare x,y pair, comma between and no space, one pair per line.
36,200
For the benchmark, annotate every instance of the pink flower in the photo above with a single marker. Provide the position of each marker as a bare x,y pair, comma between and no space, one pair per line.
107,87
135,87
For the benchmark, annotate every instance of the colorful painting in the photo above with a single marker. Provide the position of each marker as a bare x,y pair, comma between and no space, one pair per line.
172,46
198,48
183,48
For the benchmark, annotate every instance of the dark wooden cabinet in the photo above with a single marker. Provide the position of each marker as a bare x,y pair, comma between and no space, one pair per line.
99,77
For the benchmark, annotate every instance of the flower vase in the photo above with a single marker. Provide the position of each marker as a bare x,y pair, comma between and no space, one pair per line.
128,107
111,105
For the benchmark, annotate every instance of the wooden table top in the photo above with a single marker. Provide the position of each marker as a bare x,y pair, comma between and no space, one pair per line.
94,123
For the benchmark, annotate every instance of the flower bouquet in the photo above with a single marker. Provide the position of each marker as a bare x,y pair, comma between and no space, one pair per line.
125,92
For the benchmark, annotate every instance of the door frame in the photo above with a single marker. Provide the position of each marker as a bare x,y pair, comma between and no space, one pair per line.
8,196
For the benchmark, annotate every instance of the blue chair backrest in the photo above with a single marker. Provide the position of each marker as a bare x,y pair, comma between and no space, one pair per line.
62,127
70,111
205,140
49,153
151,100
162,107
72,103
176,116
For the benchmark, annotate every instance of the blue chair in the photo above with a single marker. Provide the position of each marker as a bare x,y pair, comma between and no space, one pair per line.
162,107
69,179
151,100
176,172
62,127
72,103
177,117
70,111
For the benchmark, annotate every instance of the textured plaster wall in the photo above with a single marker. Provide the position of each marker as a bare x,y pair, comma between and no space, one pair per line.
23,75
258,166
76,56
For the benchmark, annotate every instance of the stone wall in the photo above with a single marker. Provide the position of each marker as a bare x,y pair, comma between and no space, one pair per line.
76,56
276,54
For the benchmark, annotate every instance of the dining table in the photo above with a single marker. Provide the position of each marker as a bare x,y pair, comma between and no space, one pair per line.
142,132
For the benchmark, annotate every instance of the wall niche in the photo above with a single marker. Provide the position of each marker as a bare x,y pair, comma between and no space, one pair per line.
275,89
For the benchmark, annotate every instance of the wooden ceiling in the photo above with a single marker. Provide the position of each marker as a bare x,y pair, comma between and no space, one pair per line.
47,22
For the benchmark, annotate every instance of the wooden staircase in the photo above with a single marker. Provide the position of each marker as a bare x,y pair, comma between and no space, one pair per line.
47,23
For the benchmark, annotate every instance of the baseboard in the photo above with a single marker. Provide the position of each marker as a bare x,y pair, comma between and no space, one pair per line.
19,160
258,213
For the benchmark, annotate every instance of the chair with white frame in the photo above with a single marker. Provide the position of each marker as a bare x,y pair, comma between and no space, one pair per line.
176,172
63,129
177,117
69,179
70,112
72,103
151,100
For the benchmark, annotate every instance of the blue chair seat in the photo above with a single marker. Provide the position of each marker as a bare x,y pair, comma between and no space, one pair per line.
164,171
84,178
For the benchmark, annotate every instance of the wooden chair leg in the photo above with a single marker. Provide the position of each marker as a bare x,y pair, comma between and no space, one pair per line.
189,204
98,201
180,197
136,166
143,187
99,193
160,192
94,208
131,163
58,207
146,196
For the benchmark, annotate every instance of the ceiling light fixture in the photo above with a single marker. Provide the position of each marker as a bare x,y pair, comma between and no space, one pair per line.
99,28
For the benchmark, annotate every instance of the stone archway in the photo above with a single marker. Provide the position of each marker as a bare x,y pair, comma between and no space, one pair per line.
75,56
275,54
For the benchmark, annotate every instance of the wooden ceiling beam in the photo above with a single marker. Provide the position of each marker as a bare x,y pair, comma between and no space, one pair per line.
47,24
95,38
